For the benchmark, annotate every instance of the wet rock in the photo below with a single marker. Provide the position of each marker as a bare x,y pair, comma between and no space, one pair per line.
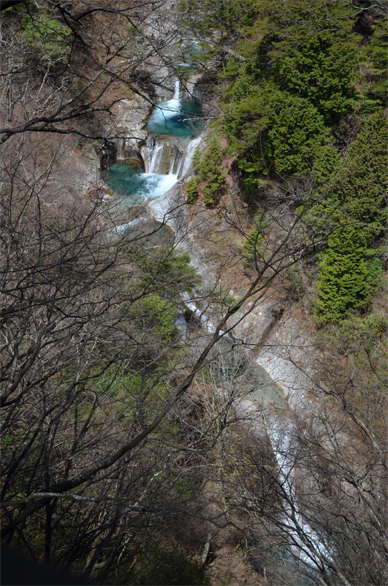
107,152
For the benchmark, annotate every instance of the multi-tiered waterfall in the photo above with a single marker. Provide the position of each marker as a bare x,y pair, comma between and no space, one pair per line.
173,135
162,156
173,129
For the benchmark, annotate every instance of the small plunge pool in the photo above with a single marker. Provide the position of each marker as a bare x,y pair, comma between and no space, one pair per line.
127,178
176,118
133,186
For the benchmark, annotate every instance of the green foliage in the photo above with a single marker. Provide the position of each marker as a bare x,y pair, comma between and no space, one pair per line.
310,49
191,189
295,136
221,297
166,566
226,16
46,37
210,170
302,73
255,237
274,131
354,333
373,67
283,132
350,269
135,393
155,314
196,158
323,71
363,181
349,274
305,69
167,271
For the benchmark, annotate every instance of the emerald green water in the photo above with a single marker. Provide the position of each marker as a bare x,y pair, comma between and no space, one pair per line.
176,118
128,180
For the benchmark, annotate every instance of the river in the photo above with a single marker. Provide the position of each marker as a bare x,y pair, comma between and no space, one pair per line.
173,133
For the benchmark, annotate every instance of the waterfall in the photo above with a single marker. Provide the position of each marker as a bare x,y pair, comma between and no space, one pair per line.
280,436
175,162
161,156
206,323
176,91
157,155
180,323
121,149
187,159
170,128
124,227
152,155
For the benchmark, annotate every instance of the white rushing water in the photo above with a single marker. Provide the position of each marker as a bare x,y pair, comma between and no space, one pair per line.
152,155
156,185
180,323
124,227
120,149
206,324
176,91
176,160
310,550
161,155
188,157
167,163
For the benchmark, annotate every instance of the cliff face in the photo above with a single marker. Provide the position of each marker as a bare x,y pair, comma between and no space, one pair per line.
278,334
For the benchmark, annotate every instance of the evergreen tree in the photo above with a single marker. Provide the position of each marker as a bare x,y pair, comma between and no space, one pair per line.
349,269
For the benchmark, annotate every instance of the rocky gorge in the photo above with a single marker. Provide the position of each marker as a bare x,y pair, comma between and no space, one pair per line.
193,314
277,343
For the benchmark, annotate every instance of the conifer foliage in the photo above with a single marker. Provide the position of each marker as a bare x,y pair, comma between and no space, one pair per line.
350,268
312,77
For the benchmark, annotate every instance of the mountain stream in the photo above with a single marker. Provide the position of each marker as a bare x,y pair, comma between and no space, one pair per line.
174,128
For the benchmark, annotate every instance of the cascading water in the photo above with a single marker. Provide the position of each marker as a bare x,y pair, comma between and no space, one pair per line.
176,117
307,546
121,149
188,157
164,163
161,156
305,543
152,154
176,161
133,185
176,90
166,155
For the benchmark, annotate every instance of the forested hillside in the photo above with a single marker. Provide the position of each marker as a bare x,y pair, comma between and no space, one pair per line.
304,102
142,441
